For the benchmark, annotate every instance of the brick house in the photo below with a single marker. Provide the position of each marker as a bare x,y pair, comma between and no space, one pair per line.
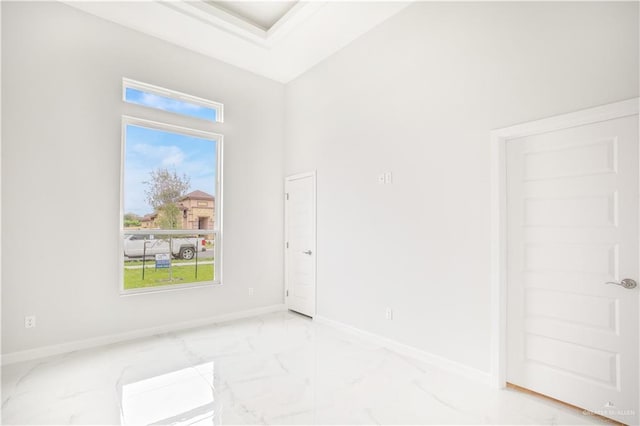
198,212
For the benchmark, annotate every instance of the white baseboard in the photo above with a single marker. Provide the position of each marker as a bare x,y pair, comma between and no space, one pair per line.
76,345
413,352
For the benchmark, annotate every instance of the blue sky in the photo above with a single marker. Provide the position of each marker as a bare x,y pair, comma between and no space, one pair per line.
148,149
167,104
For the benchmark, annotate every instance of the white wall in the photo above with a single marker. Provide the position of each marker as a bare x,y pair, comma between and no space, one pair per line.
418,96
61,110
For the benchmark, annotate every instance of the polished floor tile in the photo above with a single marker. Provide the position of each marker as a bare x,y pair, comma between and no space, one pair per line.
280,368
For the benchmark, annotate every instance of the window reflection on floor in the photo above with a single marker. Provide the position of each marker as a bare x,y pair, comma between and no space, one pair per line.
182,397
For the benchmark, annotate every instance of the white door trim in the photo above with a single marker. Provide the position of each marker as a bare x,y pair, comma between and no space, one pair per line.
288,179
499,139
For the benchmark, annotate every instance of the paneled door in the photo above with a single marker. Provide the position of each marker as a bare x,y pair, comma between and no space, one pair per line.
300,243
572,265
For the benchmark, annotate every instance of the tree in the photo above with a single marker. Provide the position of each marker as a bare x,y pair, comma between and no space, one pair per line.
164,189
131,220
169,216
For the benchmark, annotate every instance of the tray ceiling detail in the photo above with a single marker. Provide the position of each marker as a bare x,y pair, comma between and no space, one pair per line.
279,40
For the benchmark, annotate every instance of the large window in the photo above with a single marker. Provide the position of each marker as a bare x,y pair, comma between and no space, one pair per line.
171,203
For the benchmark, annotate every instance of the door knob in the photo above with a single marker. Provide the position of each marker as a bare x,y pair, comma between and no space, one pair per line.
307,252
626,283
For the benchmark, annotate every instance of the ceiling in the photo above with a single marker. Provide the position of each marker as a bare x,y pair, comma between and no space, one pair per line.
277,39
262,14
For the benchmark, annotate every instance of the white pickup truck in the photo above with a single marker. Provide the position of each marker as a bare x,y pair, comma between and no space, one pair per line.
150,245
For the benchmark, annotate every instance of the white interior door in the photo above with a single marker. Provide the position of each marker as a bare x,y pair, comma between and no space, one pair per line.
300,243
572,228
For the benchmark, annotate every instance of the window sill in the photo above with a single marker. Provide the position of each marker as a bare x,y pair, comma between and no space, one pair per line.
168,288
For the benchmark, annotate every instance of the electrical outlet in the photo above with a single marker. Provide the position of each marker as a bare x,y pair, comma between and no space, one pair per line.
385,178
29,321
250,291
388,314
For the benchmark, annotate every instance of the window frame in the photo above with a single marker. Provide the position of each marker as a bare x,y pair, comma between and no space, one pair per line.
128,83
218,215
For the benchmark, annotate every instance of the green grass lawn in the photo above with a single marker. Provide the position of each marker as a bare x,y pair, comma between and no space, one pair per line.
151,261
158,277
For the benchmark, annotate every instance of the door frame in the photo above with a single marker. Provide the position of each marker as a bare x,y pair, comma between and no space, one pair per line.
499,140
311,174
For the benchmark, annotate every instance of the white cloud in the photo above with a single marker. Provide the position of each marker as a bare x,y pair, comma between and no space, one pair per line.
167,156
167,104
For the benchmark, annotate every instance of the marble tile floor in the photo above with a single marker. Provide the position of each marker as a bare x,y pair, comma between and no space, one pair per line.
280,368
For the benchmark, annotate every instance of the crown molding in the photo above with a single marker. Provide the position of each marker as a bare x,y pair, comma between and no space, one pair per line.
236,25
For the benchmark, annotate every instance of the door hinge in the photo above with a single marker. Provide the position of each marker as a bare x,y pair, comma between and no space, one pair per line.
287,293
287,195
287,244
